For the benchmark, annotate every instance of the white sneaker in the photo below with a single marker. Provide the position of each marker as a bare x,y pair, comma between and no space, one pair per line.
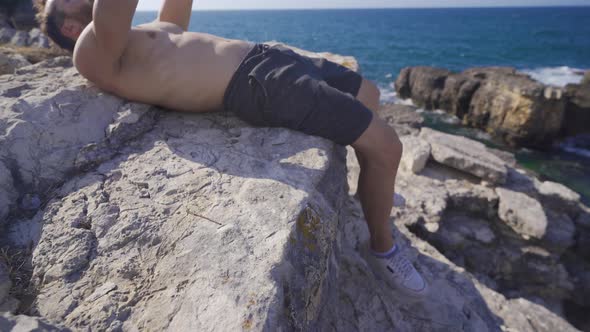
399,273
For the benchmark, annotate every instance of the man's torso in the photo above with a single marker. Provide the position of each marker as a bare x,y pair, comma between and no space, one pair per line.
185,71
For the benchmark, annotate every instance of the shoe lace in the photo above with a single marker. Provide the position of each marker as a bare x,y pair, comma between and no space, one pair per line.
401,266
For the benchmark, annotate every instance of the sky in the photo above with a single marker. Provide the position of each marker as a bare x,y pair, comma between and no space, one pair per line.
299,4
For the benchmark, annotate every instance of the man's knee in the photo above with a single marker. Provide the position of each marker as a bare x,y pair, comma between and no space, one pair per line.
369,95
380,144
394,150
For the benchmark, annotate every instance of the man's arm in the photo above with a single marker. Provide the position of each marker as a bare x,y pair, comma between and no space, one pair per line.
177,12
99,48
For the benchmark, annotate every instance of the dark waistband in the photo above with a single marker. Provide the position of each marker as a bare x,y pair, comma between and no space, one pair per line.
257,49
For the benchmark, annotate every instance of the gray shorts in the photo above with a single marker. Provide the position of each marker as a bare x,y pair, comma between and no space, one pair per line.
276,87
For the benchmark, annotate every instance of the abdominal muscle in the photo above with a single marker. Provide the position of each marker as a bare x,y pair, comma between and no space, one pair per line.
184,71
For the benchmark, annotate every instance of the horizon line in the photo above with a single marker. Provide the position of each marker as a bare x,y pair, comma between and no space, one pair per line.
348,8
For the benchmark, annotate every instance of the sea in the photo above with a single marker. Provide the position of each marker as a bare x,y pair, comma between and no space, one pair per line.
551,44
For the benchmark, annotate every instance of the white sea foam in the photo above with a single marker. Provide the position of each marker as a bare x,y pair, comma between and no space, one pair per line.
576,145
556,76
389,96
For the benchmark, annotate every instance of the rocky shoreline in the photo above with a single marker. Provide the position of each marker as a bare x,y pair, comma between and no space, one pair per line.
115,215
509,105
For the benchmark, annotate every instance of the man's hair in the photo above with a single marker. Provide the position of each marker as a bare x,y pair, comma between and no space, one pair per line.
50,20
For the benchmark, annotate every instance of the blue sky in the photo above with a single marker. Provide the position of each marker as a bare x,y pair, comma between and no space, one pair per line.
267,4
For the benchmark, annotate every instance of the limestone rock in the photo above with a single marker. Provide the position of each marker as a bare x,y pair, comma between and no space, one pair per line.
422,84
38,39
560,231
7,193
583,243
6,34
4,23
522,213
23,14
577,111
522,315
23,323
475,199
20,38
559,191
164,220
404,119
9,62
465,155
416,152
7,302
507,104
583,219
428,196
558,197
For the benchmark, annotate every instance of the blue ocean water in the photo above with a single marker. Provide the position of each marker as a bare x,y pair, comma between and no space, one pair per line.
551,44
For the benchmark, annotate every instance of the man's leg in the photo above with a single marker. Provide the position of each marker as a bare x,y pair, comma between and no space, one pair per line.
380,152
369,95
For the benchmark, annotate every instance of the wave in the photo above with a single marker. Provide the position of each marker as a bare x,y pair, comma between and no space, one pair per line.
578,145
389,96
556,76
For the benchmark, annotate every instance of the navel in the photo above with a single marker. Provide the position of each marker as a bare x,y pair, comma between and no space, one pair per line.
151,34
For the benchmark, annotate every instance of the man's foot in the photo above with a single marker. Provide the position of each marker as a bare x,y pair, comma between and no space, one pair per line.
397,271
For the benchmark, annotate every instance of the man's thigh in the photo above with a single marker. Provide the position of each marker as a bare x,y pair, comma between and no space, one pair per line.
337,75
294,95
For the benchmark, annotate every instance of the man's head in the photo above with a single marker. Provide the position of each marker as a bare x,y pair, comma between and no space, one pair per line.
63,20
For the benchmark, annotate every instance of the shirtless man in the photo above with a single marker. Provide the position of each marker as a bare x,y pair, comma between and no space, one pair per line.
161,63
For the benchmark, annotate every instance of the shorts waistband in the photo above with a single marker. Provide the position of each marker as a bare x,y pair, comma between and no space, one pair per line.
257,49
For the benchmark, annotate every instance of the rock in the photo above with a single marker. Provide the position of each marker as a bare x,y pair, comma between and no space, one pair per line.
404,119
20,38
465,155
34,36
7,302
558,191
140,203
265,199
6,35
415,153
462,307
522,213
577,109
7,193
9,62
5,283
422,84
4,22
560,231
583,243
558,197
461,226
18,323
583,219
477,200
69,107
424,194
507,104
23,15
522,315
